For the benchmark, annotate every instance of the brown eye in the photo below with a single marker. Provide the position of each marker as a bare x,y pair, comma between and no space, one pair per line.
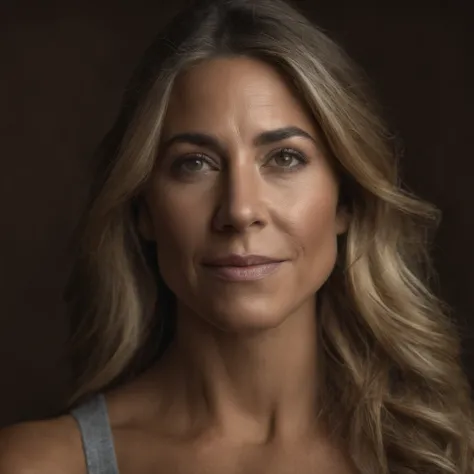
193,164
287,158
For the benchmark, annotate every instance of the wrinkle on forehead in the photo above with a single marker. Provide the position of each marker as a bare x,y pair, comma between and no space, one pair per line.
218,94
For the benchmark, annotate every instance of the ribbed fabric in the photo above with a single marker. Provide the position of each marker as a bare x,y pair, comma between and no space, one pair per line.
97,441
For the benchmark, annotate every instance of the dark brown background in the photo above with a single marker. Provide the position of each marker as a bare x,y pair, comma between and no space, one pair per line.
63,66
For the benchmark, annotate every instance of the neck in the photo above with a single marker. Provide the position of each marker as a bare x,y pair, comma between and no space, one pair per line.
263,384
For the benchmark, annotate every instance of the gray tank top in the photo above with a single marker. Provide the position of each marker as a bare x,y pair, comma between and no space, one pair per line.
97,442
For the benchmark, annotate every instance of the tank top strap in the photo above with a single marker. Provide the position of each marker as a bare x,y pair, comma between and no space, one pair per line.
97,441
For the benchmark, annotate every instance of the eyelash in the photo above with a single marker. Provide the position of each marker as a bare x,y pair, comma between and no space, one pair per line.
202,157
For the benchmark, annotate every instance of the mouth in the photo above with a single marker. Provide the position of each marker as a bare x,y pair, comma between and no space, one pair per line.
242,267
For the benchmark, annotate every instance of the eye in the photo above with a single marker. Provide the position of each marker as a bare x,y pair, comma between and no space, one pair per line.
287,158
193,164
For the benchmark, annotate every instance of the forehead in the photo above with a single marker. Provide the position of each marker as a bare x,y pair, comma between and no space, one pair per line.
243,92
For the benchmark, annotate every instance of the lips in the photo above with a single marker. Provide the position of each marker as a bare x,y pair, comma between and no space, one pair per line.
240,261
235,268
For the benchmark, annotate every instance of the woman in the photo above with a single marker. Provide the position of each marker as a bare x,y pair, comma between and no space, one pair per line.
250,229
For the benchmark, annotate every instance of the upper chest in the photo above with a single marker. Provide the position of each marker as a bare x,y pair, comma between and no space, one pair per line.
137,455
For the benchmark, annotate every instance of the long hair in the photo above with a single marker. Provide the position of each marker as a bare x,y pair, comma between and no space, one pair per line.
392,387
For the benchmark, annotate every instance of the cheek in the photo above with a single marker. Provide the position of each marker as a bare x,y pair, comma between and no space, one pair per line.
180,230
314,230
178,218
311,216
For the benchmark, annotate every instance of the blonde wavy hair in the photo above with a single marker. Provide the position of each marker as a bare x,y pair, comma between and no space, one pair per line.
392,389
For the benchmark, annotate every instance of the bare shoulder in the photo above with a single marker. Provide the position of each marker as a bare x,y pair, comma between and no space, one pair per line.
42,447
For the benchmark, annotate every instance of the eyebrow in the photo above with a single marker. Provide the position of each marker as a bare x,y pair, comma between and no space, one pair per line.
265,138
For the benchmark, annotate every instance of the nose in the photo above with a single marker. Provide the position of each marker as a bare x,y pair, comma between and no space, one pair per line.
241,202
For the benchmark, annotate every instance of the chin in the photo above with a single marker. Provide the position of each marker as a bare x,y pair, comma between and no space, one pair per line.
247,314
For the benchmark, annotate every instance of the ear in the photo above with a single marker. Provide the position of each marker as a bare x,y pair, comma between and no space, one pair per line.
144,220
342,220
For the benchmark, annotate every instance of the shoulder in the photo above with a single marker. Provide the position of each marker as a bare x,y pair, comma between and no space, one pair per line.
42,447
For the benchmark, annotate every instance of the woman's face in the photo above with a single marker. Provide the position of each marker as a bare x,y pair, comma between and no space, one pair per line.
242,203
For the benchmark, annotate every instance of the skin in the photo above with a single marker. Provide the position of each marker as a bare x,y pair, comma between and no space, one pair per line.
236,392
